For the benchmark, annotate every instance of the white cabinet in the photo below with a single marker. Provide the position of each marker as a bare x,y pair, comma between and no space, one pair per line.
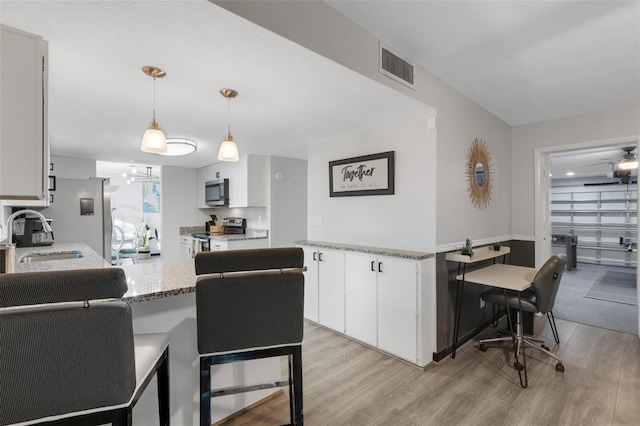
398,307
205,174
311,283
324,287
381,303
24,146
248,180
217,244
384,301
186,247
361,298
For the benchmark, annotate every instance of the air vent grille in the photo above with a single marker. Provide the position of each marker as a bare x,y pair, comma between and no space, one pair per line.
395,66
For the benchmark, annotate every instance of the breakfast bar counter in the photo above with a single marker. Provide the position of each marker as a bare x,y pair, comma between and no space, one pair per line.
162,299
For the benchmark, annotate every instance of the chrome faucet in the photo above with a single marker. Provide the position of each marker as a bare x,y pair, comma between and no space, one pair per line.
45,225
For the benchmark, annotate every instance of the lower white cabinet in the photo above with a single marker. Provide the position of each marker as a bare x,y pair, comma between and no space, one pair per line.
381,303
311,283
398,313
186,247
387,302
324,287
361,298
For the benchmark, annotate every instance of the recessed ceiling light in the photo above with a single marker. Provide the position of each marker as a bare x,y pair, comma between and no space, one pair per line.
570,173
180,146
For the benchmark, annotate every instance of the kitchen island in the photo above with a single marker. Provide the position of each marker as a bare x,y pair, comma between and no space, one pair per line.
162,299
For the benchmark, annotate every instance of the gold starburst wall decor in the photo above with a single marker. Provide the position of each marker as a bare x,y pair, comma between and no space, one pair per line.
479,175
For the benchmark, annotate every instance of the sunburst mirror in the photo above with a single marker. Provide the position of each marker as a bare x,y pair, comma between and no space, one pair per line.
479,178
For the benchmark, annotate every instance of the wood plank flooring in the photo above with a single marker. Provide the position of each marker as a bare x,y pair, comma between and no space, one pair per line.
346,383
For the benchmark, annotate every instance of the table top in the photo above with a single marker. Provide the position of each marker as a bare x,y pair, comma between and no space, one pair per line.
511,277
479,254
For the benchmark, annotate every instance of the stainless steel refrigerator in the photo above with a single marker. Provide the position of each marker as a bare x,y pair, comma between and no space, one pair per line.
81,211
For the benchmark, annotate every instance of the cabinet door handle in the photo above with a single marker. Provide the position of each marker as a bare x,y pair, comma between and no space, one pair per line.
314,255
379,266
320,256
372,262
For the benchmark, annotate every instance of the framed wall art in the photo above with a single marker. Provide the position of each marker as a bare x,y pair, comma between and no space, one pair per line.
366,175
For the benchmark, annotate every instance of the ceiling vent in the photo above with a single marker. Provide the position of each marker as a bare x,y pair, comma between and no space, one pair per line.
396,66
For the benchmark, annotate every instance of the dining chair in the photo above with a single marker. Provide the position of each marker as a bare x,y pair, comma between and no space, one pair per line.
249,305
68,354
540,297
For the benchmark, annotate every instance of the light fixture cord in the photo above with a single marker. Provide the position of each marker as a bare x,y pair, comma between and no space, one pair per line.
154,98
229,116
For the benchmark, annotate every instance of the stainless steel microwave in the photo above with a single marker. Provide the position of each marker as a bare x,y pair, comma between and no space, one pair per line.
216,192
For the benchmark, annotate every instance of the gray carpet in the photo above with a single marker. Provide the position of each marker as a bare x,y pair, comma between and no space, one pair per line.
614,286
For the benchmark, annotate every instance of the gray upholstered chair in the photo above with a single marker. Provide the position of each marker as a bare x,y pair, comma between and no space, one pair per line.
540,297
67,358
250,305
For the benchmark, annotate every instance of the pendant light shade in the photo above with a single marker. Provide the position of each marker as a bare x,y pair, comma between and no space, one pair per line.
154,140
228,150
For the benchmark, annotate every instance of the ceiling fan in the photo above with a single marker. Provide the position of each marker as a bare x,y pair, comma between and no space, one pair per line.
628,161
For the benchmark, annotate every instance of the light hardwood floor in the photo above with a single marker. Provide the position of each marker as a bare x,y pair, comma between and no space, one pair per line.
346,383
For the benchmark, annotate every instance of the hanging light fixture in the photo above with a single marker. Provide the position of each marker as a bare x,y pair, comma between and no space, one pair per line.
180,146
228,149
136,176
629,161
154,140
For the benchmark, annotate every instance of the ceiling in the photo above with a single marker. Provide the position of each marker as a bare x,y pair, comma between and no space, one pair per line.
524,61
100,101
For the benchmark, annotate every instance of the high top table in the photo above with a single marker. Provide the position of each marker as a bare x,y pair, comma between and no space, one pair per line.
479,255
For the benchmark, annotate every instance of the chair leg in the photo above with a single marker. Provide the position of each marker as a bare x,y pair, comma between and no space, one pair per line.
554,329
163,391
541,349
205,391
297,386
123,417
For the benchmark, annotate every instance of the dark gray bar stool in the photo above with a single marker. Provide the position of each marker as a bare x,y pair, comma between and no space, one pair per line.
68,359
249,306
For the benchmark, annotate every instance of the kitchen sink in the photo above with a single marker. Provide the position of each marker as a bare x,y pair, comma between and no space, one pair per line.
54,255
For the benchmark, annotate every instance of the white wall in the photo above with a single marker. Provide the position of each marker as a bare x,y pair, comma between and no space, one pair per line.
322,29
288,201
617,123
73,168
405,220
178,207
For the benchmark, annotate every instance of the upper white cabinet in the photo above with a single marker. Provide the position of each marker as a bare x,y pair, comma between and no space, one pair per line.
24,146
248,181
205,174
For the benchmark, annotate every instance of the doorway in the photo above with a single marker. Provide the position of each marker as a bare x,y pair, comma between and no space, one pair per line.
590,213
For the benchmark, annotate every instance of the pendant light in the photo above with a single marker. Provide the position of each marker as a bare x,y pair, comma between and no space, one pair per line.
228,149
154,140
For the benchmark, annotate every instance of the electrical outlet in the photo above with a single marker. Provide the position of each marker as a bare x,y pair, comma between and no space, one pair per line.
481,303
318,220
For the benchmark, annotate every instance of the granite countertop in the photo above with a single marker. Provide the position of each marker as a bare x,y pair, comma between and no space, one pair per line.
145,281
251,234
90,260
406,254
155,280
